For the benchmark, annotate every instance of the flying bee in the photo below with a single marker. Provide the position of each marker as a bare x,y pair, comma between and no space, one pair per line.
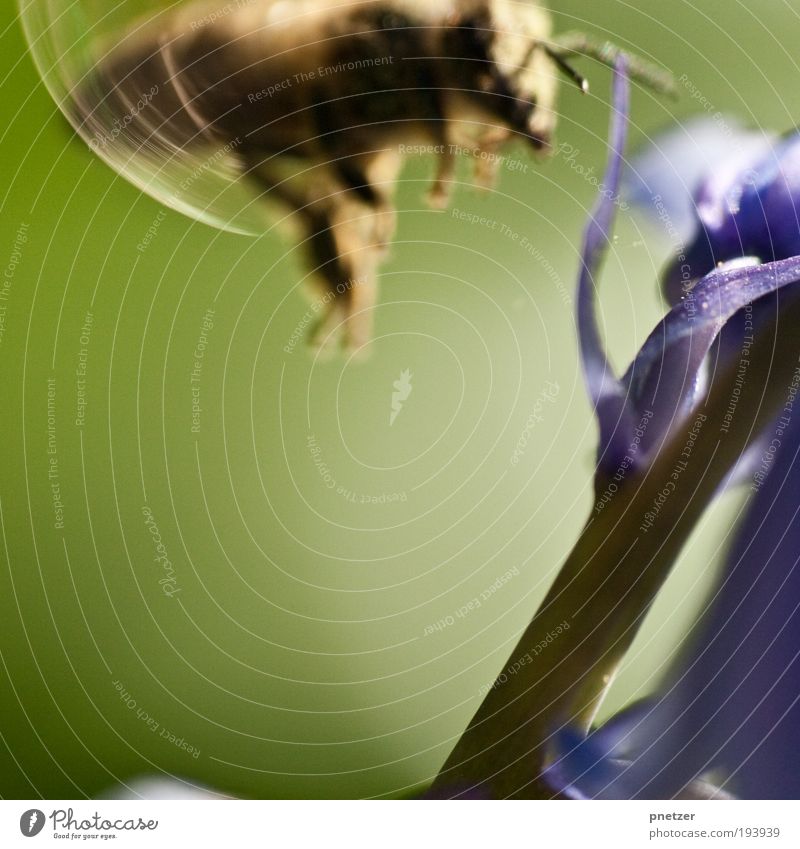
313,103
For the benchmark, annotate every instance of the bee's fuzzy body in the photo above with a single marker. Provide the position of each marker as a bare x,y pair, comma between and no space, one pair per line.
315,101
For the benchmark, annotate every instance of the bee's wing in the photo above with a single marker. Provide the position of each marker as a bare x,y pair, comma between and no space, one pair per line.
125,104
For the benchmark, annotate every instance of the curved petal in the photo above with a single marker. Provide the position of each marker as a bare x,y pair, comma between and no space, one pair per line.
664,381
665,376
605,391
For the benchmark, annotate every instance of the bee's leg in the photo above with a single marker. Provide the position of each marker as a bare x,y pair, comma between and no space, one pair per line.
346,256
331,273
361,227
488,163
382,172
441,189
440,120
314,216
371,179
347,235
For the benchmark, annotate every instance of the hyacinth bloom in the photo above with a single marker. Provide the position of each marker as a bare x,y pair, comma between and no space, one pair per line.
691,415
744,206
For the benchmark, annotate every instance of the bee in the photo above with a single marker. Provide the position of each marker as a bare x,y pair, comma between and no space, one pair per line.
316,102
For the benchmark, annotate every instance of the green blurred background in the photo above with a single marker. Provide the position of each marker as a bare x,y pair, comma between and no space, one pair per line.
300,657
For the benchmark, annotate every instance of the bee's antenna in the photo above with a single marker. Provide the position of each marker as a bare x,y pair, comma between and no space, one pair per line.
580,44
561,62
567,69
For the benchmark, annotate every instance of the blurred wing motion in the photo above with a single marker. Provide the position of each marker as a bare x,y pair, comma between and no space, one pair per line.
121,96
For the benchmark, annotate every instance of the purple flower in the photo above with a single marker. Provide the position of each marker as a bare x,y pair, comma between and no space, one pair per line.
747,206
666,378
727,720
710,395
